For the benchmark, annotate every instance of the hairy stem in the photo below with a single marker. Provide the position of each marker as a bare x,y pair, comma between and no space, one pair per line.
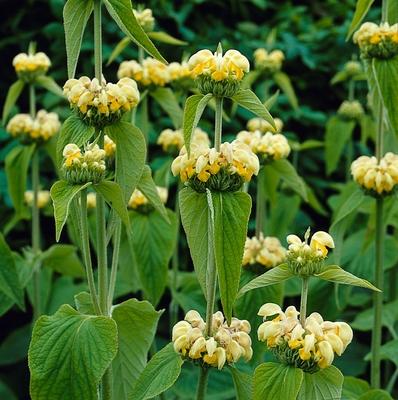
303,300
115,261
260,204
86,251
218,124
202,383
98,39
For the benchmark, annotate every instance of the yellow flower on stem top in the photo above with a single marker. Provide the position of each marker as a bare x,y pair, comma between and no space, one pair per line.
226,343
43,198
39,129
224,170
310,347
217,73
145,19
268,62
91,200
260,124
173,140
101,104
377,178
139,202
350,110
30,66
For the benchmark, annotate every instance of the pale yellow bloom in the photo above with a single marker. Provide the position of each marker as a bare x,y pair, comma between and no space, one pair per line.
178,71
269,62
138,198
109,146
145,19
91,200
317,249
260,124
43,198
31,63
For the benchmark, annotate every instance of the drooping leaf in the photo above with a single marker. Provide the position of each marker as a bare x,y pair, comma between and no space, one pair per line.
361,10
112,193
333,273
63,259
69,353
193,110
231,216
325,384
154,240
17,166
136,324
118,49
13,94
167,100
147,186
194,217
161,372
130,155
389,351
243,383
62,195
76,14
284,83
354,387
247,99
273,276
122,13
164,37
273,381
48,83
338,133
10,284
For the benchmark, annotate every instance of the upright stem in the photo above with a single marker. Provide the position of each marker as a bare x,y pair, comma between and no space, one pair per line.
351,90
86,251
141,54
98,39
202,384
260,206
303,301
115,261
218,124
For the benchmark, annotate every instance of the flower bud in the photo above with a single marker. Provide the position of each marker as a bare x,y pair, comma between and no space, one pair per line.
145,19
29,66
268,62
350,110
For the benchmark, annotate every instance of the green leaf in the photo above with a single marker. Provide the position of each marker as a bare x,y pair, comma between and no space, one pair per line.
333,273
63,259
84,304
385,72
231,216
73,130
273,381
113,195
6,392
49,84
164,37
273,276
13,94
17,165
76,14
160,374
193,110
122,13
283,81
9,280
376,394
169,103
389,351
118,49
243,383
288,174
154,240
62,195
361,10
354,387
338,133
69,353
325,384
136,324
247,99
341,76
269,103
194,217
130,155
147,186
15,346
392,12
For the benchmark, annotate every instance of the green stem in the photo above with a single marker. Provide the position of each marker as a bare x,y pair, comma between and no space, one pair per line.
86,251
260,204
218,123
115,261
391,383
141,54
98,39
384,11
303,300
351,90
202,383
32,100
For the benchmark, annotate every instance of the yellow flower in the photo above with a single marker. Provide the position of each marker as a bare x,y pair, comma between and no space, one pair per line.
321,241
72,154
145,19
266,251
43,198
31,65
268,62
91,200
109,146
260,124
138,199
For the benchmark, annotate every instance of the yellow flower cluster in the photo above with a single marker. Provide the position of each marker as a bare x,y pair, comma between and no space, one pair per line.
306,259
145,19
29,66
91,200
266,251
178,71
308,347
268,62
139,202
267,146
82,167
217,73
353,68
173,140
226,344
104,103
260,124
43,198
377,41
109,147
377,177
350,110
150,72
223,170
42,128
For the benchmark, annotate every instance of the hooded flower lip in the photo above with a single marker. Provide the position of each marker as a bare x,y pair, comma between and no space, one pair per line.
378,178
226,343
308,347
